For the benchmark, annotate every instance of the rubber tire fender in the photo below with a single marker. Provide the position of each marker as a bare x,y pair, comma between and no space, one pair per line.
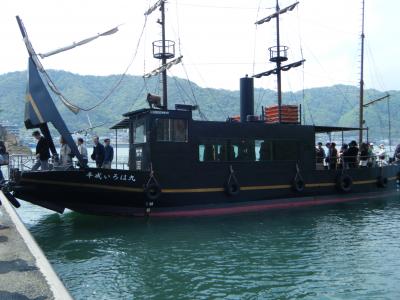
344,183
232,188
152,191
298,185
382,182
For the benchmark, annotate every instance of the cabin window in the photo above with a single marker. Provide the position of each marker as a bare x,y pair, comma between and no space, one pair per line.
264,150
139,134
212,152
172,130
248,150
243,150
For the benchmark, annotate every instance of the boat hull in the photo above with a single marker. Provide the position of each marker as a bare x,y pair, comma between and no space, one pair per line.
119,192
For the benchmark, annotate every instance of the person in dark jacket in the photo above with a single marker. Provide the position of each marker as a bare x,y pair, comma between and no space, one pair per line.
396,155
363,155
42,152
3,159
3,149
351,154
320,153
98,152
333,156
108,154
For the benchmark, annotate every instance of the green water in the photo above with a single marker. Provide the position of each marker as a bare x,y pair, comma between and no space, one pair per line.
347,251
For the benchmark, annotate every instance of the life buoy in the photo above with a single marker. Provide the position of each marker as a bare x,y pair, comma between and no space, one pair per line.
152,191
232,188
298,185
344,183
382,181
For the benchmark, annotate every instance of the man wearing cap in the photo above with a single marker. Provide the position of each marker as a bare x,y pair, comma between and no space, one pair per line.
108,154
42,152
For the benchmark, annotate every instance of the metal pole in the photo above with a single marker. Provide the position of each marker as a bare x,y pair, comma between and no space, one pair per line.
278,63
300,113
361,120
164,59
390,128
116,148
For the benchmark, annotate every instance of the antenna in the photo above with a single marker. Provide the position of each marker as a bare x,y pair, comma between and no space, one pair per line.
278,53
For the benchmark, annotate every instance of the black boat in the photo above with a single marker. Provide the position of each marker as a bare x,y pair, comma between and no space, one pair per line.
179,166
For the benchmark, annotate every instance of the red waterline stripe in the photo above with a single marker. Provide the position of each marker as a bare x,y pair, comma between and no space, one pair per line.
261,207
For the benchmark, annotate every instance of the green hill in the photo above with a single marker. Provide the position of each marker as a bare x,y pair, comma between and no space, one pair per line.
336,105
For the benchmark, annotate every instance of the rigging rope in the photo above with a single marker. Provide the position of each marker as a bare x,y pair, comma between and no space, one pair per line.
202,115
303,94
75,108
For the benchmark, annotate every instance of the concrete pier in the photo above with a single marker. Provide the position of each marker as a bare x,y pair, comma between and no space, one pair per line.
25,273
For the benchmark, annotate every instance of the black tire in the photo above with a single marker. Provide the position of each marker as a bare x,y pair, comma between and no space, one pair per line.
298,185
382,182
232,188
344,183
152,191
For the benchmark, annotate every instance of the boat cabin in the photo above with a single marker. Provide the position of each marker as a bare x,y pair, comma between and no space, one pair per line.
172,139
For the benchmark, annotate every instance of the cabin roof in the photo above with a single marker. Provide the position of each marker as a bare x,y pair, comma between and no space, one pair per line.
121,124
324,129
136,112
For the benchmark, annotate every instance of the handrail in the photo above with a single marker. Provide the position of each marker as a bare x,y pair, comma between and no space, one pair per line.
24,162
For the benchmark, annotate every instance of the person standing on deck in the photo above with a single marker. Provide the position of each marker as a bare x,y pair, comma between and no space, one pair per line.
98,152
351,154
3,159
382,156
108,154
83,151
320,153
364,155
328,155
396,155
1,173
65,154
42,152
333,156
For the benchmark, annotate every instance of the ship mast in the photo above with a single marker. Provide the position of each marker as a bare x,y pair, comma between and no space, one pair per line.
163,50
278,54
279,60
361,116
164,57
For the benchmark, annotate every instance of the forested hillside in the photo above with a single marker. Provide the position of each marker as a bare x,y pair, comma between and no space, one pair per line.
336,105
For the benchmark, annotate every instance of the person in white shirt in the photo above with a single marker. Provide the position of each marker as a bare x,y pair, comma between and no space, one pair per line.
65,154
382,155
83,150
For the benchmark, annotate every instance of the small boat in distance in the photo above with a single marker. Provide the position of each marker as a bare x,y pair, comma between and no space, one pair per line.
179,166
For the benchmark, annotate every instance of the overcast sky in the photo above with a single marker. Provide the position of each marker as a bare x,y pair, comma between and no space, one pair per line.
218,39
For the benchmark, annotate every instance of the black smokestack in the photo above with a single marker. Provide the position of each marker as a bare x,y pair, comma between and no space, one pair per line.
246,98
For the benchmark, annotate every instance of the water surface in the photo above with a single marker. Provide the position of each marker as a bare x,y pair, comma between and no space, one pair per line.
346,251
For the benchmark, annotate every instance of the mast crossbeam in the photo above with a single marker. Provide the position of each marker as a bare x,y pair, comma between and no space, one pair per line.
275,14
282,68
